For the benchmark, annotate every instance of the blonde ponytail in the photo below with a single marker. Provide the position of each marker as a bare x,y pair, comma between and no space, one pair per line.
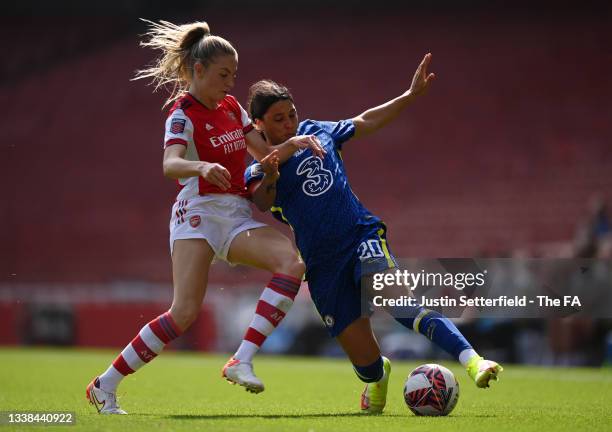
181,46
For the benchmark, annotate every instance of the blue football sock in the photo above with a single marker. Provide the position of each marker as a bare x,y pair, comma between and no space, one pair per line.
437,328
370,373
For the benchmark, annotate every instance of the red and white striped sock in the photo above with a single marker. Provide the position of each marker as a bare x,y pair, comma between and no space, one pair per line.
147,344
274,302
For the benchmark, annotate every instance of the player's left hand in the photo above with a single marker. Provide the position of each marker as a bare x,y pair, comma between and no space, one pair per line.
269,165
421,79
311,142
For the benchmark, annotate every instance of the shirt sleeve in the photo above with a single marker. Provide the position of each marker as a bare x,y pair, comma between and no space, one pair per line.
340,131
247,124
179,129
252,173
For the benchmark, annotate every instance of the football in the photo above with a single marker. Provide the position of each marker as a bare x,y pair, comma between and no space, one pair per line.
431,390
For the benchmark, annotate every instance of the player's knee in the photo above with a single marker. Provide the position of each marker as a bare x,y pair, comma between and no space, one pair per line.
184,314
297,268
291,265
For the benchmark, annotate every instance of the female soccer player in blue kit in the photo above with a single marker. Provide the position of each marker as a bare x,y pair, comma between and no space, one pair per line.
338,238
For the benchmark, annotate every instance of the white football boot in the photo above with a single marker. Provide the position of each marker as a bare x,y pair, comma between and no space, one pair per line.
105,403
241,373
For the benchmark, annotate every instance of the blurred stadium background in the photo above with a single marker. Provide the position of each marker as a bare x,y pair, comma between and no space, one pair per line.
510,154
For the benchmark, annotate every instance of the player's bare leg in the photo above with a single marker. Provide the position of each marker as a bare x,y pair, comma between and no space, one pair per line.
190,264
360,345
267,249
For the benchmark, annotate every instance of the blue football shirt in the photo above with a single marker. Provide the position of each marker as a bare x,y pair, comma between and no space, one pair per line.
314,197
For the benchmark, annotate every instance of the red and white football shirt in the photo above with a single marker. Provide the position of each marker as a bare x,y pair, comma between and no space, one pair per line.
216,136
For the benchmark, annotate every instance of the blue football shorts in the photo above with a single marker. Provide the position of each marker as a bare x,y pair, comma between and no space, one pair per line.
335,282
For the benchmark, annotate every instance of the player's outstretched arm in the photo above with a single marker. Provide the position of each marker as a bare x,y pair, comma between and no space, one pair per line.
263,192
376,118
259,148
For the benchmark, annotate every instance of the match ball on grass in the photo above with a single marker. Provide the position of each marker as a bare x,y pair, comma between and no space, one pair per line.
431,390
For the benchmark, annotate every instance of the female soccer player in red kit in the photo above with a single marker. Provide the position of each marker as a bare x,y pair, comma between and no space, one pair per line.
207,136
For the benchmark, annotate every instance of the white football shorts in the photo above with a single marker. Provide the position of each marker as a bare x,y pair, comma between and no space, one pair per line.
216,218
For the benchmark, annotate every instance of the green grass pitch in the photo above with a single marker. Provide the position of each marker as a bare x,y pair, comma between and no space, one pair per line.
184,392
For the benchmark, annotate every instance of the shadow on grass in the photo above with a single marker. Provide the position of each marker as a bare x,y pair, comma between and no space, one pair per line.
270,416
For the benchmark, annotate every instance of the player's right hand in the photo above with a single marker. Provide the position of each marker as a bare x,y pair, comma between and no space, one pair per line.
216,174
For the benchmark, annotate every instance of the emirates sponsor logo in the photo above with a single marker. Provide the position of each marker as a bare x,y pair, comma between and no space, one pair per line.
227,138
234,146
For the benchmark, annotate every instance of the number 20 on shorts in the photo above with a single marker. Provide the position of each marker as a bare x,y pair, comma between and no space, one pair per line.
370,249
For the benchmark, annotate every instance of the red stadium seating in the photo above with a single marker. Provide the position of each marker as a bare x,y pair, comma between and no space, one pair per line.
504,152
